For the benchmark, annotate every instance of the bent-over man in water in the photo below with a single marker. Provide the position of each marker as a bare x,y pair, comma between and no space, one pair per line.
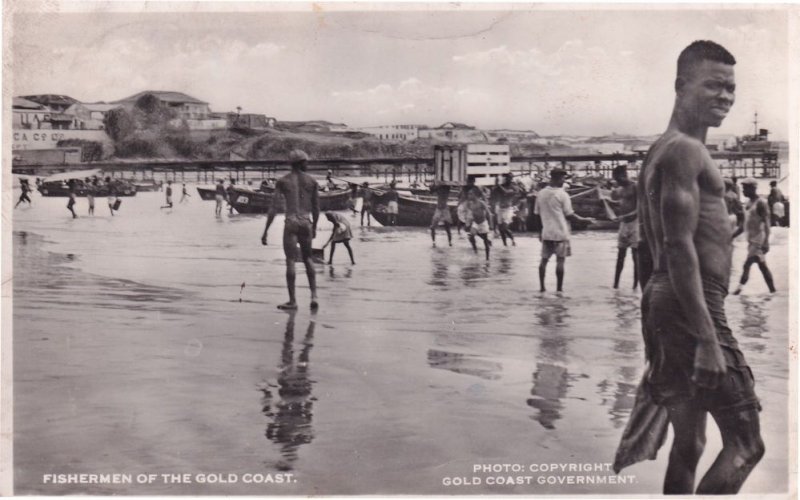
301,196
695,365
623,198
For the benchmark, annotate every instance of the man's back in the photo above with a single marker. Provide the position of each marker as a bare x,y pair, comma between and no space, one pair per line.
300,193
680,187
756,217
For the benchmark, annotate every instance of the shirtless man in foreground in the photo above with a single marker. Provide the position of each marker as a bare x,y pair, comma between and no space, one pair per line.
301,196
696,366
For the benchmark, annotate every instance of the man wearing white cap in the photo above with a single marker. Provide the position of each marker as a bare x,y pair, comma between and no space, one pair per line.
300,194
757,225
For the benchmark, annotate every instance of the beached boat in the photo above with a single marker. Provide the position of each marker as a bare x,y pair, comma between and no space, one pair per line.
412,210
147,185
209,193
58,185
206,193
249,201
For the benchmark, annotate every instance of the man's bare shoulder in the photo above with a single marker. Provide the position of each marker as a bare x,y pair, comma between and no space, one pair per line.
680,154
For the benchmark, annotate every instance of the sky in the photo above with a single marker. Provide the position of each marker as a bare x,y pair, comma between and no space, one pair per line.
568,70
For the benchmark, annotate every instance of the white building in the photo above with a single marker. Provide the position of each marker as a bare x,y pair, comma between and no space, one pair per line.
505,135
393,132
453,132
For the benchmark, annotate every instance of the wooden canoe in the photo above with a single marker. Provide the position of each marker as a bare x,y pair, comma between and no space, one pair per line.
249,201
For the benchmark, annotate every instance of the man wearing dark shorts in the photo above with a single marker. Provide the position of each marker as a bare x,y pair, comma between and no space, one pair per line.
25,187
301,196
695,365
623,198
442,213
366,203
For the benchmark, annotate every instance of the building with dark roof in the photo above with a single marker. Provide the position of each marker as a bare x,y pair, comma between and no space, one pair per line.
27,114
55,102
185,106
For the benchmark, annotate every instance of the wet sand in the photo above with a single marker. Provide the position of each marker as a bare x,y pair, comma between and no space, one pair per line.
133,353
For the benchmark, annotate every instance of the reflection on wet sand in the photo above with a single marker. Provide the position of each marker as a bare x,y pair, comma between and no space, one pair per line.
550,380
552,312
290,416
550,384
504,263
620,396
464,363
439,269
348,273
754,320
474,272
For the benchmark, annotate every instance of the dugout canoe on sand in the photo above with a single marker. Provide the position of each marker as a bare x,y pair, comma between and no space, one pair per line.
58,184
206,193
412,210
249,201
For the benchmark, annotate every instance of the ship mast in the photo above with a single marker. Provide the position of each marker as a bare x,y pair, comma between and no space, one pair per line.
755,124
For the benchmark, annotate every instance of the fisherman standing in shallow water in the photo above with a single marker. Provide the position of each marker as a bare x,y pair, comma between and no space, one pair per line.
506,199
757,225
442,213
220,195
479,217
168,195
695,365
72,195
624,198
366,203
301,197
555,208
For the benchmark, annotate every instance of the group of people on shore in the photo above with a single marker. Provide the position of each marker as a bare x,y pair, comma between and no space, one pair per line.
679,223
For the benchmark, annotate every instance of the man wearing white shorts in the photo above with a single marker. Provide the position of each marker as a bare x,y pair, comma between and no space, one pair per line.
554,206
479,215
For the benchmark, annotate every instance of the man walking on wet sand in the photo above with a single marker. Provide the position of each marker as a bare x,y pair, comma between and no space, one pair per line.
757,225
301,196
695,365
554,206
507,195
442,213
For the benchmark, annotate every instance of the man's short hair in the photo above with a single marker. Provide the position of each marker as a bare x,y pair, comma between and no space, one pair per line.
703,50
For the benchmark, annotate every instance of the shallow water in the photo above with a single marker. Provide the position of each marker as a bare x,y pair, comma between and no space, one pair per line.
150,343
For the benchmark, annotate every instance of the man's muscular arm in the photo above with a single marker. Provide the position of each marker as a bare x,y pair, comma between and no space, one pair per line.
763,212
314,209
680,211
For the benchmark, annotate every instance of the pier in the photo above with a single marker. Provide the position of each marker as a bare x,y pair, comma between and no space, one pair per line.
732,164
